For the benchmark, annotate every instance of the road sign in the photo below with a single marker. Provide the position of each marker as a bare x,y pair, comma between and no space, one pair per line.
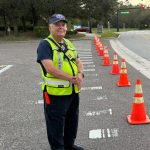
124,12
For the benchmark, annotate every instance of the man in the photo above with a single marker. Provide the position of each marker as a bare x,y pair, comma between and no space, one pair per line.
62,73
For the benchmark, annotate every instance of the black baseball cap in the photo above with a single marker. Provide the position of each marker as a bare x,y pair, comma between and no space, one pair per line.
56,18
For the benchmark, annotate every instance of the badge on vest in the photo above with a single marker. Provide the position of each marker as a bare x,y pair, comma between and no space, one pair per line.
70,56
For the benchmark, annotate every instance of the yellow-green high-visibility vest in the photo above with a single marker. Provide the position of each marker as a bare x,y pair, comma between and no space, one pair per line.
54,85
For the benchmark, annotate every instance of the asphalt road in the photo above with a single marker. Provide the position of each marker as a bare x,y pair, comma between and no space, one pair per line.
137,41
103,106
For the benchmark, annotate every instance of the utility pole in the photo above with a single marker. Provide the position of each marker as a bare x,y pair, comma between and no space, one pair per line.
117,20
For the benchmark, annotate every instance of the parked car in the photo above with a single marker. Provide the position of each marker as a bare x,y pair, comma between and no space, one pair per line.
82,29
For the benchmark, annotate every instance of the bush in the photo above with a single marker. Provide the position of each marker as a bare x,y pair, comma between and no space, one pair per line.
41,31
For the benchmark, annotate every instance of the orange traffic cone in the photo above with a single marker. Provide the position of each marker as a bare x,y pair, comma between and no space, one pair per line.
123,80
95,39
97,45
115,66
106,60
138,114
100,50
105,48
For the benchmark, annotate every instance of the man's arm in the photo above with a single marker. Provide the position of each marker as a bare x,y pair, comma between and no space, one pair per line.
80,75
79,65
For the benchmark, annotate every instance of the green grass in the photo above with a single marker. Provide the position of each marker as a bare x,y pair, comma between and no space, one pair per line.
21,37
76,36
31,36
112,33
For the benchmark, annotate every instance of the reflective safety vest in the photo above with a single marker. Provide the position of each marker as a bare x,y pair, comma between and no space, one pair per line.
54,85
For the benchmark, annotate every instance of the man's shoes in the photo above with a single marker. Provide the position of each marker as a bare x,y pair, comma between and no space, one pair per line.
75,147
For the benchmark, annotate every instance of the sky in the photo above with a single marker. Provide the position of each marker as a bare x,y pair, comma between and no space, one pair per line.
147,2
135,2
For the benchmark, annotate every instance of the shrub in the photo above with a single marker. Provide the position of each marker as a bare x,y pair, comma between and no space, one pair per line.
41,31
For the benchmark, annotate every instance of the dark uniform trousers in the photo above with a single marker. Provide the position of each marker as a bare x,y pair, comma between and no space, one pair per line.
61,117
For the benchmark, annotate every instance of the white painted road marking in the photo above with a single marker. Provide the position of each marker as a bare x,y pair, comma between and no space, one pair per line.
92,88
85,57
101,98
97,113
108,133
88,66
41,101
40,83
114,132
103,133
5,68
89,80
88,62
88,75
2,66
88,69
85,52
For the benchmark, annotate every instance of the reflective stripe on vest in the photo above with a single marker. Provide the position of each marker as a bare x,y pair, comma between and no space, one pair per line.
59,61
56,83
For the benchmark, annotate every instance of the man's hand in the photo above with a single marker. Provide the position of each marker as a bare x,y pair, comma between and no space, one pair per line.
79,80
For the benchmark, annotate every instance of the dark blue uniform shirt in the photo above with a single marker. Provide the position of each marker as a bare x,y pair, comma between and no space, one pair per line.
44,51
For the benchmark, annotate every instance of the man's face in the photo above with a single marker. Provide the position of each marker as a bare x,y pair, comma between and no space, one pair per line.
58,29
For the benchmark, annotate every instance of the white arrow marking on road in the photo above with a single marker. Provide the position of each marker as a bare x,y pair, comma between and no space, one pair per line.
103,133
6,67
92,88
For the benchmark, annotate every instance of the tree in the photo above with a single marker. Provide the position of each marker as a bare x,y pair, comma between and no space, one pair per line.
20,12
98,9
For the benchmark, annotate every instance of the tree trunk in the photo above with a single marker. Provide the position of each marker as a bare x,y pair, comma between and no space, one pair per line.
34,16
5,23
23,23
15,30
15,26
